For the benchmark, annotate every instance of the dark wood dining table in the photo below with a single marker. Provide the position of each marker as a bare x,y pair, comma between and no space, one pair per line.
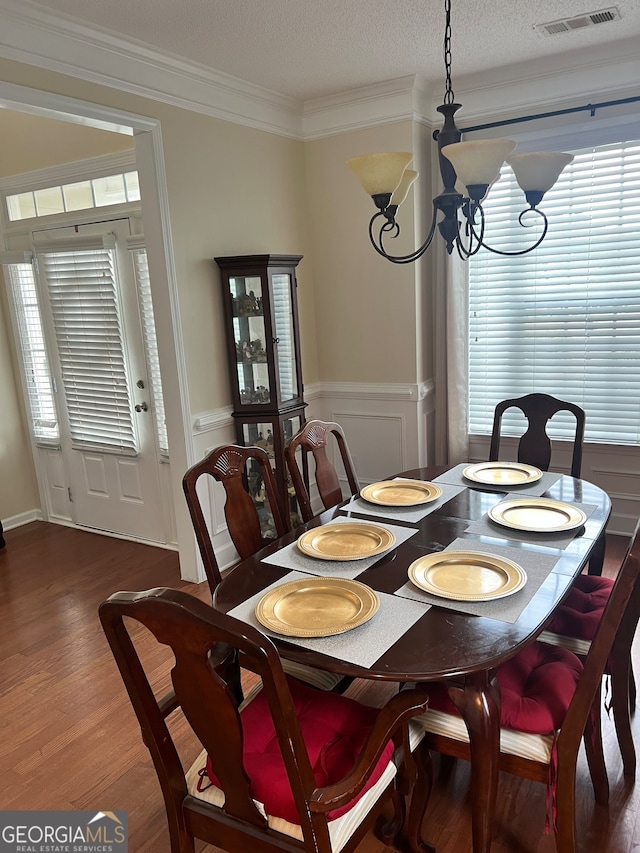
444,644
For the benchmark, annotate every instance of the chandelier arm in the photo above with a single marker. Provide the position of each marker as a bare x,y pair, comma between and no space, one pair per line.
388,226
475,240
529,248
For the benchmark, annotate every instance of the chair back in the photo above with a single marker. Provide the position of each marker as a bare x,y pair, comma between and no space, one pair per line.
234,467
313,438
200,638
534,447
616,629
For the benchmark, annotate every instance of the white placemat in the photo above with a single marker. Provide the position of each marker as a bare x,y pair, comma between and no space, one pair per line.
291,557
535,490
411,514
361,646
536,565
486,527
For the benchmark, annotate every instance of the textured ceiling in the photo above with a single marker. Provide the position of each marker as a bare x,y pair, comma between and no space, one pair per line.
310,48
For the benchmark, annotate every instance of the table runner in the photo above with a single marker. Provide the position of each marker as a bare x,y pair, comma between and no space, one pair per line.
291,557
411,514
361,646
486,527
536,565
534,490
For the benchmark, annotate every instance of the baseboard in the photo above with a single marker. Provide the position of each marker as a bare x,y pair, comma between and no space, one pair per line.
22,518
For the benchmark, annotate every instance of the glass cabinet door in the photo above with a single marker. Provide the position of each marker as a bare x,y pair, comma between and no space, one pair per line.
250,339
286,364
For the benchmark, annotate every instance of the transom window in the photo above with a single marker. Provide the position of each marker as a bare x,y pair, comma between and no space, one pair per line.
79,195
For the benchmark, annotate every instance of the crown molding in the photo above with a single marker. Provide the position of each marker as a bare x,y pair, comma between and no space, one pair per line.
91,167
401,99
605,72
33,35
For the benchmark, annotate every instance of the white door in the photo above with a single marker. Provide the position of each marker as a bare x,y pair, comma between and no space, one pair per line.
96,349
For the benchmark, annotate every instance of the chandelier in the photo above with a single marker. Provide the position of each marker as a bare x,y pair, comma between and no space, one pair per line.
468,170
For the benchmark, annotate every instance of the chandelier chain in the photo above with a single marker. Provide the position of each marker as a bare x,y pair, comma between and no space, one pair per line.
448,92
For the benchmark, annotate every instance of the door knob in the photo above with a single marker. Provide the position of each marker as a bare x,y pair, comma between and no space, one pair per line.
142,407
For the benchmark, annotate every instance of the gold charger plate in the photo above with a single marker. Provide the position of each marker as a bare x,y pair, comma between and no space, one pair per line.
317,607
467,575
498,473
401,492
538,515
346,541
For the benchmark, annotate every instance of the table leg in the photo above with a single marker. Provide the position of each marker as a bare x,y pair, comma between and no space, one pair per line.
479,705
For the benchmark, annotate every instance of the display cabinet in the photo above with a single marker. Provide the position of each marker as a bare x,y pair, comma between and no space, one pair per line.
263,345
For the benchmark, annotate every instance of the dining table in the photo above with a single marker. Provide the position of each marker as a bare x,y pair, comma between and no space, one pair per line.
425,628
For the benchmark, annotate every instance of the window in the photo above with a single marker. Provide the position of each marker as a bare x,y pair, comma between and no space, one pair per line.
141,272
35,363
565,319
80,195
81,287
84,305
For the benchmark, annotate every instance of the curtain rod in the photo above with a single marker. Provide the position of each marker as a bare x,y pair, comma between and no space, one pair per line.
591,108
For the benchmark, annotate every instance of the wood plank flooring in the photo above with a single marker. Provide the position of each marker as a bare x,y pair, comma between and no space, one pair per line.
70,739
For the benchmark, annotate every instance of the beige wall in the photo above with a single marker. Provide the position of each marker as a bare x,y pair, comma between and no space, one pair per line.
232,191
31,142
365,306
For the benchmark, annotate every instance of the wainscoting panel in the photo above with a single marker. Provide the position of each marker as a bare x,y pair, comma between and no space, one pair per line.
377,443
210,430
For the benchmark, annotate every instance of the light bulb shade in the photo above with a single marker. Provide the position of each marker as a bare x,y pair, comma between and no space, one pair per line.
380,173
404,186
538,171
478,163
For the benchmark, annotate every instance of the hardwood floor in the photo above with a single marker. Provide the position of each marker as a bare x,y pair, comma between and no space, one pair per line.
70,739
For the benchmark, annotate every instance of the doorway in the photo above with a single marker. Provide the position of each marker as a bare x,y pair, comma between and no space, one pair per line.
150,165
98,350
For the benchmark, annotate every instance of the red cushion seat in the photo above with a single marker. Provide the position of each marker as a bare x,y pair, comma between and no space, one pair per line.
334,729
580,613
537,686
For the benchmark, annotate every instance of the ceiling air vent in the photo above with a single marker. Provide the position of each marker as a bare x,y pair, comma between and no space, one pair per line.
579,22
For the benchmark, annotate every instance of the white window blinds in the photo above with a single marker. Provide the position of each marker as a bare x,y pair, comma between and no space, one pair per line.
82,295
33,352
141,271
564,320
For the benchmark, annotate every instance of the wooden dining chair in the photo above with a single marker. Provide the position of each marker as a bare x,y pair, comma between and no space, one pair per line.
550,703
232,466
574,626
229,465
313,439
534,446
288,769
575,623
